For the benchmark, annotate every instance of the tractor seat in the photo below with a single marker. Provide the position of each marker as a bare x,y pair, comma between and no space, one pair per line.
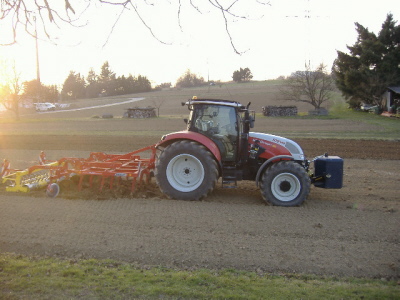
225,145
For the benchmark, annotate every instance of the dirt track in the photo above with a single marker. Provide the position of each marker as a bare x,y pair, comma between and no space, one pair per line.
349,232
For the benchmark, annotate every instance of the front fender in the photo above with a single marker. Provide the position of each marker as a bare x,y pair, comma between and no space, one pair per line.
267,162
194,136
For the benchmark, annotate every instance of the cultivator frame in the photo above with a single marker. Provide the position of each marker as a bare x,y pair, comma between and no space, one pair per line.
108,167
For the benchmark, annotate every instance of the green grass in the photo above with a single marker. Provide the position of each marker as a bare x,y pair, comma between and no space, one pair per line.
387,128
49,278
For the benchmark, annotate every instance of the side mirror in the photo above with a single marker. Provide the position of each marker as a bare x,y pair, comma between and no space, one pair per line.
185,120
252,122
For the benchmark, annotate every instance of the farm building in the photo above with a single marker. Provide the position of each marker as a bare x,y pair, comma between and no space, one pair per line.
391,95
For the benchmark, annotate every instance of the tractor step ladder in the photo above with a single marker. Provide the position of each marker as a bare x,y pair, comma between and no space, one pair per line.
229,180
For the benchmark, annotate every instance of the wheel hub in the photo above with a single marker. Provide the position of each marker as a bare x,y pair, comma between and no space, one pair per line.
285,186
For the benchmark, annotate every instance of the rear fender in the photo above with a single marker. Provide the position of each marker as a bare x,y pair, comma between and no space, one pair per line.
194,136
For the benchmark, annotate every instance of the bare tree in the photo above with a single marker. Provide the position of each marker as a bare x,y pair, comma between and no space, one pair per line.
157,103
28,14
10,92
313,87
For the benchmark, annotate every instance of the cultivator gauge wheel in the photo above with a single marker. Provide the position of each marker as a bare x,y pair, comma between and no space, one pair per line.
53,190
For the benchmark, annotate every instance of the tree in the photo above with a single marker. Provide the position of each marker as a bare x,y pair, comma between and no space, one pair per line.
50,93
10,92
313,87
157,103
33,89
74,86
372,65
93,87
188,79
242,75
144,85
164,85
107,80
24,14
40,92
105,84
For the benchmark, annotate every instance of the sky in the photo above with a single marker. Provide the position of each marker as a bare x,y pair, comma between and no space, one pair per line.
274,40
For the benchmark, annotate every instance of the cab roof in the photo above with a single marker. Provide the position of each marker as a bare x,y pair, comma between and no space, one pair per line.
195,101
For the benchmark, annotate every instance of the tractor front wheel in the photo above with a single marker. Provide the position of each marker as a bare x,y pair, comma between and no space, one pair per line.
285,183
186,170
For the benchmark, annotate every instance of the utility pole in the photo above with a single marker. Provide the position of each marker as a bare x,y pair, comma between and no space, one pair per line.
37,61
307,17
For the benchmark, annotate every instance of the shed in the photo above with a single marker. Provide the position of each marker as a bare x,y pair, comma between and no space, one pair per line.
392,93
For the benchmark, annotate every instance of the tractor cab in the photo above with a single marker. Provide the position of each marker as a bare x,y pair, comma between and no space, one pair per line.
219,120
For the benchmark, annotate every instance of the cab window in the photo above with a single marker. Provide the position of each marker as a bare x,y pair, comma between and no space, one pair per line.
220,124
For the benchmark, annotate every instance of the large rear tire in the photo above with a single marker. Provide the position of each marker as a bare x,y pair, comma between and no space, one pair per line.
285,183
186,170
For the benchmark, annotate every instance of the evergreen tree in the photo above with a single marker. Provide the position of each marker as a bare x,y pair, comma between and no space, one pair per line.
105,84
371,66
93,88
144,84
107,80
74,86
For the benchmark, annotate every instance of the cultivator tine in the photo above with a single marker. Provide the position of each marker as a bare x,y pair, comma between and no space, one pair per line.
42,158
5,168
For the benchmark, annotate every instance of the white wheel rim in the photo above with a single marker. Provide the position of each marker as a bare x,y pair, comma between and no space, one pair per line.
285,187
185,173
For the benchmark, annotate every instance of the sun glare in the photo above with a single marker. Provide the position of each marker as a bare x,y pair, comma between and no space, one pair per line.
3,81
4,69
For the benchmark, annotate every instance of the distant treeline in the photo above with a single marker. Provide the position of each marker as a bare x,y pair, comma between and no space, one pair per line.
105,84
76,86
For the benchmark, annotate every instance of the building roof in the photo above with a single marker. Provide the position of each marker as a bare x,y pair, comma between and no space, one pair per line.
395,89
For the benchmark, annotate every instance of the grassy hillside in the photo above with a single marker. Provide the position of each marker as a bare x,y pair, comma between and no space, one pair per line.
340,123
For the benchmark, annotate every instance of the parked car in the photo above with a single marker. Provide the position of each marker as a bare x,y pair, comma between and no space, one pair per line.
368,107
46,106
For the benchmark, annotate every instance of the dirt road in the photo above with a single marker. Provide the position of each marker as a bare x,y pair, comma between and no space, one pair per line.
349,232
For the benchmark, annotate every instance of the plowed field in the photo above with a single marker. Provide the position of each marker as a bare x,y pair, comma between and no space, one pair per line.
349,232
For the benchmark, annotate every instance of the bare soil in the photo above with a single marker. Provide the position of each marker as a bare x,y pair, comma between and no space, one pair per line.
349,232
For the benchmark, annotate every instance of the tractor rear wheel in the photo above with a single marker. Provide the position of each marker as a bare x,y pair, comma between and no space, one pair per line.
186,170
285,183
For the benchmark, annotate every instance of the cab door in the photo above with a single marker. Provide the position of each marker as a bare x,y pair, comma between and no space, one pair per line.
219,123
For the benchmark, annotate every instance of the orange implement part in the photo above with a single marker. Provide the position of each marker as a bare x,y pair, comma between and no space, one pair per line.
129,166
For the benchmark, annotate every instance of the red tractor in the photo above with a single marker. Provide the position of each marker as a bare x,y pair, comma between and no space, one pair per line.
218,143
